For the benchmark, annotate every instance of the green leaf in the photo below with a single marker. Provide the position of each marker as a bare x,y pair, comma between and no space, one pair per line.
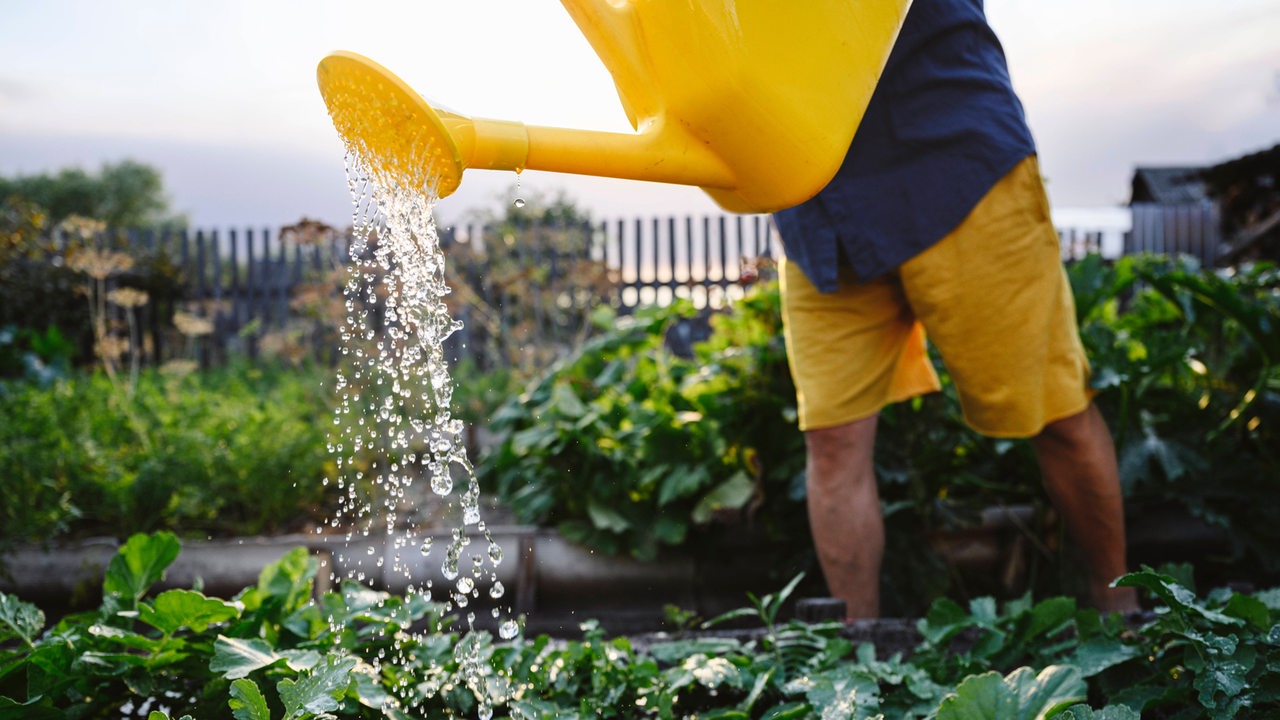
234,658
564,401
318,691
732,493
289,579
1269,597
944,619
1250,609
790,711
1220,683
128,638
670,530
1110,712
370,693
247,701
1022,695
37,708
138,564
537,439
682,481
606,518
724,714
845,692
174,609
537,709
1049,616
110,663
19,620
670,653
1097,654
761,683
1177,597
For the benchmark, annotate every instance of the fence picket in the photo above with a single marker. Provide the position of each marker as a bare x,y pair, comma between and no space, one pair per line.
280,281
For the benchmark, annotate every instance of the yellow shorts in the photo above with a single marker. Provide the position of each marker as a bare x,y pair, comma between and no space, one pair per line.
993,298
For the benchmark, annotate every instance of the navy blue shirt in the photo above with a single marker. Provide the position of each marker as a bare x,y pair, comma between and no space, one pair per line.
942,127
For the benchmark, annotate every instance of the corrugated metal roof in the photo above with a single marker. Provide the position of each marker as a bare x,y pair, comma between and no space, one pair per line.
1168,185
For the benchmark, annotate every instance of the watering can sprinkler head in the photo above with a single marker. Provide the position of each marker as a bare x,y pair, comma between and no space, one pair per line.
754,101
389,126
403,140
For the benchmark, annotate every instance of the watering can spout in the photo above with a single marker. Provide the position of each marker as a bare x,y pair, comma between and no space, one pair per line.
754,101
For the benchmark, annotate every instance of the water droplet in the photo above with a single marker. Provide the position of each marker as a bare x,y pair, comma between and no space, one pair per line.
495,553
394,394
508,630
519,202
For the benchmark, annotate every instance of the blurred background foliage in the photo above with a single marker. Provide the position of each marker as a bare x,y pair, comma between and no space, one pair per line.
588,420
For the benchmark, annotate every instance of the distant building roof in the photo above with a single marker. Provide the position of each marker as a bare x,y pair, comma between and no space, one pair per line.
1168,185
1260,168
1247,191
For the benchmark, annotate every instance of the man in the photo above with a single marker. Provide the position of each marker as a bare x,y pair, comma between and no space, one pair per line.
938,222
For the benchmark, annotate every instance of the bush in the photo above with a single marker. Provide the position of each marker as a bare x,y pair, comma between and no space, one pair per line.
236,451
626,447
1187,364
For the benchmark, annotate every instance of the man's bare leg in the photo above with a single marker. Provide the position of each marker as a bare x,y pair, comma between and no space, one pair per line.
1078,462
844,513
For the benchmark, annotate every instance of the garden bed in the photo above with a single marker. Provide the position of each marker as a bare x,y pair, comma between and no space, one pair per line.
277,651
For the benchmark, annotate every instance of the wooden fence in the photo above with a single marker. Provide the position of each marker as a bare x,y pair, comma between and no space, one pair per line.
247,283
250,283
242,283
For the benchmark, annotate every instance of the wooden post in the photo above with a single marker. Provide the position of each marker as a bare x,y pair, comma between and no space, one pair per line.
280,283
237,301
250,288
221,321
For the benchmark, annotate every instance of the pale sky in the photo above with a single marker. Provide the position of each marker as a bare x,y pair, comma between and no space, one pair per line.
221,96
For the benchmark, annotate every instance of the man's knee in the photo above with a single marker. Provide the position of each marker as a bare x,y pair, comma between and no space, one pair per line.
835,451
1082,430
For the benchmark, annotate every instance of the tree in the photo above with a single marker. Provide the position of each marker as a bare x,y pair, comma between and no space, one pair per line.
528,284
127,194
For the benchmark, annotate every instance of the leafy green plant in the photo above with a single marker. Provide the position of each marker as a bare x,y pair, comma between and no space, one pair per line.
1187,362
626,447
1217,653
267,654
36,356
232,451
609,450
277,652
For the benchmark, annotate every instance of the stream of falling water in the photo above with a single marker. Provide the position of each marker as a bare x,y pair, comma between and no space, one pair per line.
393,426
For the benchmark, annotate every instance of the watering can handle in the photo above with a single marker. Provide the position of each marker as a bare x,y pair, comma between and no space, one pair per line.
612,29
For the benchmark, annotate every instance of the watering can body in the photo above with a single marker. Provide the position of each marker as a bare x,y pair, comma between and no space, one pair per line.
754,101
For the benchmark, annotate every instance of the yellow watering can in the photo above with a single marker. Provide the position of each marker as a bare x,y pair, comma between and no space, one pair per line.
754,101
